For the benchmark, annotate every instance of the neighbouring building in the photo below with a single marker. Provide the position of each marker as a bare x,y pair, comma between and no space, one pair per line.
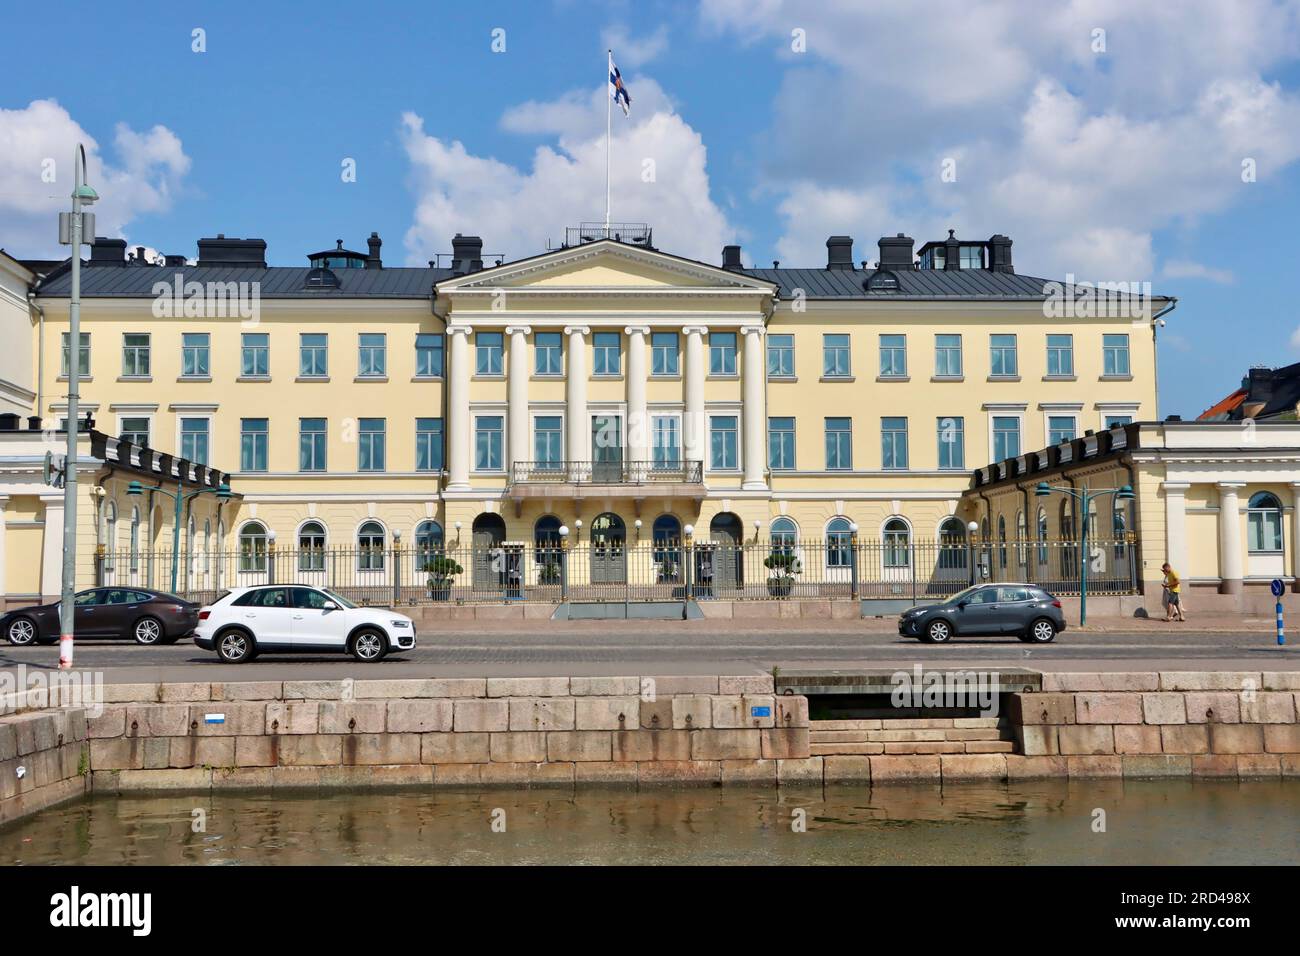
1266,394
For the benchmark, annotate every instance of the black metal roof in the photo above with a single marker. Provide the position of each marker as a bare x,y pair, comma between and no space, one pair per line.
276,282
912,284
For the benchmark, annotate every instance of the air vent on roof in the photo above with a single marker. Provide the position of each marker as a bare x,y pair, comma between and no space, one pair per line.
321,279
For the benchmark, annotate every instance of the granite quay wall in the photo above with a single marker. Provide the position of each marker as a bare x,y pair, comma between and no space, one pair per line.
44,758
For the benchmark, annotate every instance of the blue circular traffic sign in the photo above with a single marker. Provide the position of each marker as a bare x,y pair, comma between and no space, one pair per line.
1277,587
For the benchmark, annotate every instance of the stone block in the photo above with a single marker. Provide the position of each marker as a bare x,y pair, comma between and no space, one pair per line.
745,686
242,778
747,772
846,769
961,767
127,693
1280,680
1184,738
159,720
556,713
802,772
311,750
1210,680
656,687
1037,740
926,747
1169,708
1258,766
1215,766
293,717
604,686
785,743
9,739
610,773
1282,738
1102,708
725,745
733,712
655,714
419,716
1236,738
1088,739
679,772
1290,766
455,748
827,750
241,719
480,716
1156,765
1130,681
247,690
184,692
517,747
650,745
157,752
1085,767
1268,707
606,713
791,711
318,689
1035,768
526,774
111,723
1213,707
899,769
1138,739
193,779
575,745
370,749
693,712
117,753
255,751
528,686
457,775
410,688
1028,709
352,716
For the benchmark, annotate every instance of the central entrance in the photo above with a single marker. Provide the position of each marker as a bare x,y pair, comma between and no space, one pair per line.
608,549
607,449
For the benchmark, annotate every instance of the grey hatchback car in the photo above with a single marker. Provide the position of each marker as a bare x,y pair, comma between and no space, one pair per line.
1025,610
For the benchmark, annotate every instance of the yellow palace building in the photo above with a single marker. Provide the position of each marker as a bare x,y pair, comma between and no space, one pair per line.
626,395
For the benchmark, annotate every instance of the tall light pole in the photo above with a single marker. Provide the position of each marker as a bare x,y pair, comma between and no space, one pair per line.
1084,497
72,231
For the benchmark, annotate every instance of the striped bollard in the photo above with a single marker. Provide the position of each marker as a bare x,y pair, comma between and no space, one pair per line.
1278,588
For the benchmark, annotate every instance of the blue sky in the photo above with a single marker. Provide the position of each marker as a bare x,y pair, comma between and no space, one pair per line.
768,123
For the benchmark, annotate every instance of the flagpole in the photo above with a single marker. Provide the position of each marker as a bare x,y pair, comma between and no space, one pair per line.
609,104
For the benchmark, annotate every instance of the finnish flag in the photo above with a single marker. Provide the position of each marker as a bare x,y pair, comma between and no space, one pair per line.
617,91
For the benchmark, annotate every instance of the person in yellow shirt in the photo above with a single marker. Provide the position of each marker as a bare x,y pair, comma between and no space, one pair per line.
1173,601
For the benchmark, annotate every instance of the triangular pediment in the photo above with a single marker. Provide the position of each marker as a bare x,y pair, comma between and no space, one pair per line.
606,265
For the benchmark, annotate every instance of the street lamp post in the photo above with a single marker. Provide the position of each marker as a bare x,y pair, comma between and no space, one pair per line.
72,231
1084,497
136,489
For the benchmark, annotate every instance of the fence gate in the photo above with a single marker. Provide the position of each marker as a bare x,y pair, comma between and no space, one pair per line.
608,550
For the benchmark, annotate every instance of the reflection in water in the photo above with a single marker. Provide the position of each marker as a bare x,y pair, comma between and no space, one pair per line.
1050,822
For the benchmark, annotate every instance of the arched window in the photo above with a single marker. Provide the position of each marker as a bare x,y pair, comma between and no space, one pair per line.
666,533
839,542
985,536
311,547
209,557
1119,528
1264,524
429,542
1002,542
370,547
546,540
897,539
110,537
1069,548
784,535
1042,535
952,544
135,539
1022,539
252,547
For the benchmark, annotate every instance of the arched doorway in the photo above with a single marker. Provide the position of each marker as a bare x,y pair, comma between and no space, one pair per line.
728,534
608,549
489,531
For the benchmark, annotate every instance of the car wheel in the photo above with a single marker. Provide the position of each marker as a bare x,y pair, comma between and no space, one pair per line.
1041,631
21,631
235,647
147,630
369,646
939,632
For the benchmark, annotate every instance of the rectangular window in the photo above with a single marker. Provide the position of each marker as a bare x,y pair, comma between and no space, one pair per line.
971,257
135,355
893,443
780,356
548,441
489,443
722,353
839,444
429,354
195,351
372,361
947,355
893,356
952,443
667,449
665,354
1060,355
1006,437
311,444
488,348
835,356
194,439
1060,428
780,444
1115,354
722,443
83,357
134,430
255,355
548,353
428,444
1113,420
372,435
1002,355
252,444
313,354
607,348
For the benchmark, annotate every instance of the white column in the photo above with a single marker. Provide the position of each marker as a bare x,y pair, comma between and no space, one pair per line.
693,425
577,431
1176,527
52,547
1229,537
754,417
517,394
1295,532
459,440
4,502
638,424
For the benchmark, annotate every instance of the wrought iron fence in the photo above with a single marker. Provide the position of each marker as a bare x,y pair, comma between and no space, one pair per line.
663,570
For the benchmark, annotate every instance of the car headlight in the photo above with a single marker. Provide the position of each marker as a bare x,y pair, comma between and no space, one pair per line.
400,623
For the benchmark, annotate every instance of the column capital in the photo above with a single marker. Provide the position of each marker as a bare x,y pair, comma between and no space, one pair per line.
519,330
460,329
695,330
577,330
1230,486
752,330
1176,487
637,330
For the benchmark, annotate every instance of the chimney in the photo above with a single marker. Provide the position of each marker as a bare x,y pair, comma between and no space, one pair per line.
466,254
839,252
372,260
108,252
951,252
232,253
173,262
895,252
731,258
1000,254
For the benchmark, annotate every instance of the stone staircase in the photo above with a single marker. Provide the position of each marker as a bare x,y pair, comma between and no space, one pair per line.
930,735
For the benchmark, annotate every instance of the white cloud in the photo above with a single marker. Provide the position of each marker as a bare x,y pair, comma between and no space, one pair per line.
37,144
516,210
1187,269
629,52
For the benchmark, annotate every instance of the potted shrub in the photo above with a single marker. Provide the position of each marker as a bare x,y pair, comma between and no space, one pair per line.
783,566
549,573
441,571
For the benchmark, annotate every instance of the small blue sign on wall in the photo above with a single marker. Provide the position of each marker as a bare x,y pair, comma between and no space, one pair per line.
760,711
1277,587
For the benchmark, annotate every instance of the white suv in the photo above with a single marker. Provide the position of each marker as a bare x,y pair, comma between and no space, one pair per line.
294,617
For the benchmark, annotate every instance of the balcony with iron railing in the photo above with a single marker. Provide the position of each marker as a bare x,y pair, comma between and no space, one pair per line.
585,479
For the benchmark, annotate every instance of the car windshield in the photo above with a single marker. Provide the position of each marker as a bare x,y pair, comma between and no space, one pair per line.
963,595
340,601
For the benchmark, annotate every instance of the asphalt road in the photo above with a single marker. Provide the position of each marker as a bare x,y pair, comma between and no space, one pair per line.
679,650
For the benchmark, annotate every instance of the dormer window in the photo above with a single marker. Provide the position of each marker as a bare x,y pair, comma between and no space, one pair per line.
882,280
337,258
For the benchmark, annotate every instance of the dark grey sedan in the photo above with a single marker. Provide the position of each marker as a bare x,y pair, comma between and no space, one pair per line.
1025,610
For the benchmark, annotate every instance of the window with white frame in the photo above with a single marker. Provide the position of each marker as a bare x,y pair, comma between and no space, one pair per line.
489,348
780,356
370,547
839,543
253,440
255,355
897,540
135,355
252,547
196,355
311,444
835,355
372,440
1264,524
893,444
195,438
429,355
372,358
1002,355
489,443
311,547
666,447
952,442
893,356
780,443
1114,352
1060,428
548,441
724,454
839,444
947,356
548,353
607,354
83,357
1060,355
134,429
1006,437
722,353
313,355
665,353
